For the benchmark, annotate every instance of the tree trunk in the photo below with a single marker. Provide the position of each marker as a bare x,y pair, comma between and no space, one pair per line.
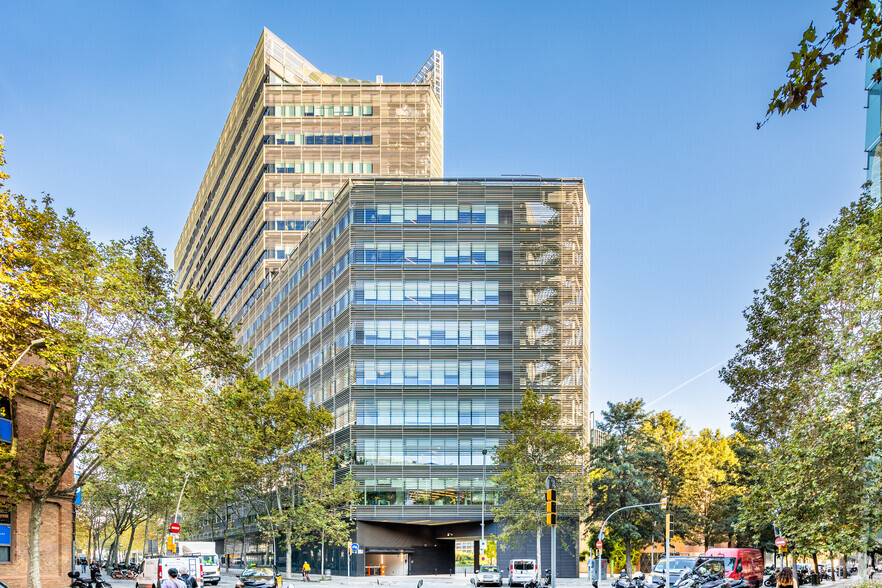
538,551
815,560
131,540
226,544
34,523
628,556
289,529
288,550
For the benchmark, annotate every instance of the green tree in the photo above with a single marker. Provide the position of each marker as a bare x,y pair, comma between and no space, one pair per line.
857,27
709,488
627,470
807,380
284,469
537,447
117,341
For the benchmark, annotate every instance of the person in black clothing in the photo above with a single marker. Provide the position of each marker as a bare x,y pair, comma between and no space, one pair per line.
189,580
94,569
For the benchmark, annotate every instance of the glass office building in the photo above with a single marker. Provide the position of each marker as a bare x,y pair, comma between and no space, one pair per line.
294,134
416,309
873,136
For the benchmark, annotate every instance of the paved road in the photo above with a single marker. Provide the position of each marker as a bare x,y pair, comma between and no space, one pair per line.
229,581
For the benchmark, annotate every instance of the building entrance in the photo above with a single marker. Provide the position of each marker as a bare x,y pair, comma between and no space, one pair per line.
386,564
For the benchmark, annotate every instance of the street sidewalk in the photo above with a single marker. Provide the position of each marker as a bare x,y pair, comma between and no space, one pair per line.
447,581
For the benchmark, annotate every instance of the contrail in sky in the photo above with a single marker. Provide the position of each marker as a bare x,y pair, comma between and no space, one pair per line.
689,381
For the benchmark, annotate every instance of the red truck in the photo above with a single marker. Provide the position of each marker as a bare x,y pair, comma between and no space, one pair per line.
738,563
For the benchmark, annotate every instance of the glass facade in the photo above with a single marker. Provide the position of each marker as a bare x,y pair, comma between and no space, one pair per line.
294,136
417,310
873,137
418,339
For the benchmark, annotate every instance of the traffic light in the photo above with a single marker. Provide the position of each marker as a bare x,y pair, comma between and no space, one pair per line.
551,507
664,503
170,543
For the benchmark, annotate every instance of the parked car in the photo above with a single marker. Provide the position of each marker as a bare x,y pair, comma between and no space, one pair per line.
738,563
523,572
257,577
675,568
488,576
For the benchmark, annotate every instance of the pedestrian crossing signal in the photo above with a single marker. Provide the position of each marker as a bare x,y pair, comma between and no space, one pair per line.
551,507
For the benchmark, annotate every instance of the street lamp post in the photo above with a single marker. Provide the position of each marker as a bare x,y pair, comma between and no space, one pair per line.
36,343
600,536
483,500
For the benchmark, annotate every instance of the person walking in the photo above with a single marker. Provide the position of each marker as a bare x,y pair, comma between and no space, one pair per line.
173,581
95,569
785,578
305,571
189,580
84,563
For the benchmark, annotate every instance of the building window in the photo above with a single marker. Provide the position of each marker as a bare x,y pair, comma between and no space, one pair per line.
425,214
319,110
5,536
5,421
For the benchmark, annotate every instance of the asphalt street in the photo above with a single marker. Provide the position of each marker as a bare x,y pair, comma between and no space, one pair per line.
229,581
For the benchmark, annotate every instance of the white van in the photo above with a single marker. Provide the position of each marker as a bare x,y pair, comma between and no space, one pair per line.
523,572
204,550
153,570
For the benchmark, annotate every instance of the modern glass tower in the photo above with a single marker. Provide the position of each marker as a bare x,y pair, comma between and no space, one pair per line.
293,136
415,309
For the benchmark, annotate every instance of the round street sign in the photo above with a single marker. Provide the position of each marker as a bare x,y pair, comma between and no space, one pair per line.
600,536
780,541
355,548
599,545
175,528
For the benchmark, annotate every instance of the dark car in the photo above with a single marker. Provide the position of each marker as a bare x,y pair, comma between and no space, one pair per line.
257,577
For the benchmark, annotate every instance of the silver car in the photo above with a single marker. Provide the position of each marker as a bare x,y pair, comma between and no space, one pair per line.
488,576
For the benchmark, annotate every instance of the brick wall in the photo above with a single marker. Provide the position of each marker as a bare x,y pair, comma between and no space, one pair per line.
56,532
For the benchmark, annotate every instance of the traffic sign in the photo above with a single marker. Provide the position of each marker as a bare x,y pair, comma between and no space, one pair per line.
355,548
483,544
599,545
174,528
601,536
780,541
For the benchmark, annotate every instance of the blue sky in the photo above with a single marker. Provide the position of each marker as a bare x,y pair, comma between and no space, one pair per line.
114,108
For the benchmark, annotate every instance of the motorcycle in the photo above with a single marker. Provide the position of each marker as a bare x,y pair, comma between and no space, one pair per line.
77,582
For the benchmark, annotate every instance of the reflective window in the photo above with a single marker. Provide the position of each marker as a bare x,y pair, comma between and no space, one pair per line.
318,139
426,372
319,110
299,195
411,292
318,167
423,451
411,411
435,252
419,214
427,332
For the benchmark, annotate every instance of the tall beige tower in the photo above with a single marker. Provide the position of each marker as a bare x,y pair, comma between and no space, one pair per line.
293,136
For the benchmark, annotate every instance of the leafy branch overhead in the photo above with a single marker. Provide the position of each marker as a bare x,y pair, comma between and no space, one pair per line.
857,28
